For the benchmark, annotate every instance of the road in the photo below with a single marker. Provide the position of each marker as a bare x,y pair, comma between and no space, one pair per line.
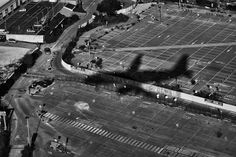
29,107
175,46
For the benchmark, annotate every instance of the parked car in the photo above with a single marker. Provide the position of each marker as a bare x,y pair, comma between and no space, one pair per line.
12,40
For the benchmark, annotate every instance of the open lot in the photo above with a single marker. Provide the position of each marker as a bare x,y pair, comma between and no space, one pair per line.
8,54
110,125
213,65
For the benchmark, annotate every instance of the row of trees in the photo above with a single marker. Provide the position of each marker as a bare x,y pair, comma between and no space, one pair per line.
109,7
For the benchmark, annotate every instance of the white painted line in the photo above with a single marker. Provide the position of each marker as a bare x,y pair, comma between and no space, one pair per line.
117,137
71,121
154,148
55,117
105,133
157,149
87,127
151,147
147,146
108,134
78,125
139,144
75,124
91,129
143,145
99,130
113,136
64,120
121,139
127,139
51,115
95,130
102,132
160,150
83,126
46,114
134,141
130,141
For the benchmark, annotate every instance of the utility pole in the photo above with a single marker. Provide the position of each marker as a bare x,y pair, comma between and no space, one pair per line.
28,131
3,114
160,11
42,111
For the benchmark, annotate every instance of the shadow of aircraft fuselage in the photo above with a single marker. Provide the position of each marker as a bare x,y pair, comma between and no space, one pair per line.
142,76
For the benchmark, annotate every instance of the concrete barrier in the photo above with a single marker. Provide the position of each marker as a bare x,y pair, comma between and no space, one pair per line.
26,38
160,90
126,10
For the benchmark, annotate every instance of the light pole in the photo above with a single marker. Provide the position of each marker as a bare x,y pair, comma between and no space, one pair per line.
41,107
28,131
159,6
42,111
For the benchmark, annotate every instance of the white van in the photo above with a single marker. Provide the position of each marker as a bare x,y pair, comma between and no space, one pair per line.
22,10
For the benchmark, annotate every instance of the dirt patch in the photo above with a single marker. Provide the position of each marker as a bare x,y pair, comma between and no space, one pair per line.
11,54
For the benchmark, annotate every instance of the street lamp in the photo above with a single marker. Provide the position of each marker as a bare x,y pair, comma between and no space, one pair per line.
42,112
28,131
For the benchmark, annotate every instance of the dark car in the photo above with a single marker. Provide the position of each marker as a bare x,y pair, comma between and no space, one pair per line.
47,50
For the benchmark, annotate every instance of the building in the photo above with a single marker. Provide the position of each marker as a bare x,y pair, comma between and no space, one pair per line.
7,6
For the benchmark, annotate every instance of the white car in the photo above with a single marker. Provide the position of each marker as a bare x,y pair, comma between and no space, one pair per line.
22,10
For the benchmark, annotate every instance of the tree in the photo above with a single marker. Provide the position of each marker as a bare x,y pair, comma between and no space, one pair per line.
109,7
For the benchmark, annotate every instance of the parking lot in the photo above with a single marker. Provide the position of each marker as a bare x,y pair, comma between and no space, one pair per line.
24,21
214,66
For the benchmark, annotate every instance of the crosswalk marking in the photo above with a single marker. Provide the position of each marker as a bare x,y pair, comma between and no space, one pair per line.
83,126
153,148
107,134
136,143
86,127
67,121
122,139
110,135
113,136
160,150
130,141
127,140
144,144
60,119
102,132
147,146
51,116
77,124
91,129
117,137
139,144
99,130
96,129
46,114
73,122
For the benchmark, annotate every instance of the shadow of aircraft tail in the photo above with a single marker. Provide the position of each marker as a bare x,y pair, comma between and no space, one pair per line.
181,68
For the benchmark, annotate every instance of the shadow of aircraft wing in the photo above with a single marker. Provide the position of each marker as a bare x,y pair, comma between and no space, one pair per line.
134,66
181,67
132,90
